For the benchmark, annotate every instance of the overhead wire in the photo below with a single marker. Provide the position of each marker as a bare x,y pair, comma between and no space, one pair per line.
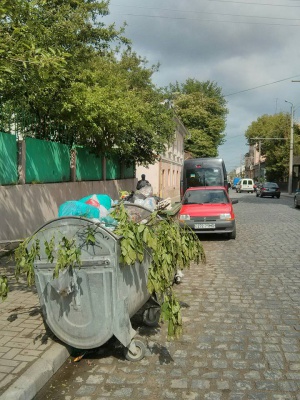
206,20
257,87
207,12
255,4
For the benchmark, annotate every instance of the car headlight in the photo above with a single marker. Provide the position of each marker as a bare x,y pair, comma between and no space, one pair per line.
226,216
184,217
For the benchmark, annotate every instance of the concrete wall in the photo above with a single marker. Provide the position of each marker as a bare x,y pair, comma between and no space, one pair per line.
25,208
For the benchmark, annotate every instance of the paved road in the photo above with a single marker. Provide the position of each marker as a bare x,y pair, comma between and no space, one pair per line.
241,324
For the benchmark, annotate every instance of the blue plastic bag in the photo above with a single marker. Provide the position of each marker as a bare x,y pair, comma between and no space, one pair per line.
79,209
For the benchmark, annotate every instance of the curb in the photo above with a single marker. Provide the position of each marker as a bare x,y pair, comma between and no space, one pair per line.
36,376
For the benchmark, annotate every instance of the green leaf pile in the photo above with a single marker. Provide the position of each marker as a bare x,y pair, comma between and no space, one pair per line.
171,247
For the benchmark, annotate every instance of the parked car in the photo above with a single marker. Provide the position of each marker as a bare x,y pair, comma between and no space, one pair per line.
245,185
297,199
270,189
208,209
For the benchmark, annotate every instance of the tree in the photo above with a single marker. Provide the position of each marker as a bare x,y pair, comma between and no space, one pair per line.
119,109
65,78
202,109
276,151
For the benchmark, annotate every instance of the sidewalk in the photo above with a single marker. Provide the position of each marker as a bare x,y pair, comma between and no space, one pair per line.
29,355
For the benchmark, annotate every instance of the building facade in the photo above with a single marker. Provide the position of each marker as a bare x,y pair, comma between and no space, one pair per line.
164,175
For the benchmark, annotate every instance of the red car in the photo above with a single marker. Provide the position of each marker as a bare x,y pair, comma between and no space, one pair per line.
208,209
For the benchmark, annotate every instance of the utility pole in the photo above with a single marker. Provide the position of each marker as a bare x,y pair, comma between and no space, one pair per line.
290,182
259,148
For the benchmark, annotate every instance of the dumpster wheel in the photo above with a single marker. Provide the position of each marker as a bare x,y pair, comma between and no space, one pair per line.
151,316
140,350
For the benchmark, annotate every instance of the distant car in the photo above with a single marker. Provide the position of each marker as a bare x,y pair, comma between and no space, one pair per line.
297,199
208,209
245,185
270,189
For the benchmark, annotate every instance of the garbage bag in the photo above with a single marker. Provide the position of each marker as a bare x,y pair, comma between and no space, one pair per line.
150,203
103,199
147,191
79,209
93,201
64,283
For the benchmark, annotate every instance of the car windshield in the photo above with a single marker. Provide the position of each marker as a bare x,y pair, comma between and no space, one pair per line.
203,177
271,185
204,196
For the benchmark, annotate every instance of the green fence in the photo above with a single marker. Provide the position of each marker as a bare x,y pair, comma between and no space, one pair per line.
8,159
129,172
88,166
47,161
113,168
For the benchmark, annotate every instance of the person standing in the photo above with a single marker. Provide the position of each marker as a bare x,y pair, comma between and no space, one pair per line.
142,182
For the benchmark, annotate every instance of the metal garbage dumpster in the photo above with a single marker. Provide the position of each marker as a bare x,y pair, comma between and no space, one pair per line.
86,306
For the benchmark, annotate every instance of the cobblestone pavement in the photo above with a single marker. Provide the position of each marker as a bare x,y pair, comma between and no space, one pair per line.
241,324
23,337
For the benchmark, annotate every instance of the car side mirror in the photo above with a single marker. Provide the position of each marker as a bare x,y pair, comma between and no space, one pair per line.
234,201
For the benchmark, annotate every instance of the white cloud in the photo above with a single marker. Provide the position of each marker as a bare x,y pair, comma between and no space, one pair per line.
216,41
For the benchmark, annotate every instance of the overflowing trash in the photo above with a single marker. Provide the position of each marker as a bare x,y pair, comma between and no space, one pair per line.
98,207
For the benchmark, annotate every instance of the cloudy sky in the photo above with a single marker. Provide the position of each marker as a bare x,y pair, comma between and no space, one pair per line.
250,48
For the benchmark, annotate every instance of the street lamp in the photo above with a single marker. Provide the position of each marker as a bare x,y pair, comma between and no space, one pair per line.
290,183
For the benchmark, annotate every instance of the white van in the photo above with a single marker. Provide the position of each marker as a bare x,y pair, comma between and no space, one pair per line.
245,185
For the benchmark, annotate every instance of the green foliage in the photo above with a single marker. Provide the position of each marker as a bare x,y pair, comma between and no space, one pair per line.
202,109
66,253
90,236
275,151
25,258
171,248
63,79
4,289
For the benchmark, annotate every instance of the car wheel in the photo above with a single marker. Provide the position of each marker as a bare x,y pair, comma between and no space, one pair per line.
261,195
278,197
232,235
295,203
273,197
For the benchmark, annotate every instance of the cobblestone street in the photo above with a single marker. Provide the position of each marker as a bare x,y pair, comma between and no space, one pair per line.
241,324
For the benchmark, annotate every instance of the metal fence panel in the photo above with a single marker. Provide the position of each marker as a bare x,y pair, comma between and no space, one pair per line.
8,159
47,161
88,165
113,168
129,172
